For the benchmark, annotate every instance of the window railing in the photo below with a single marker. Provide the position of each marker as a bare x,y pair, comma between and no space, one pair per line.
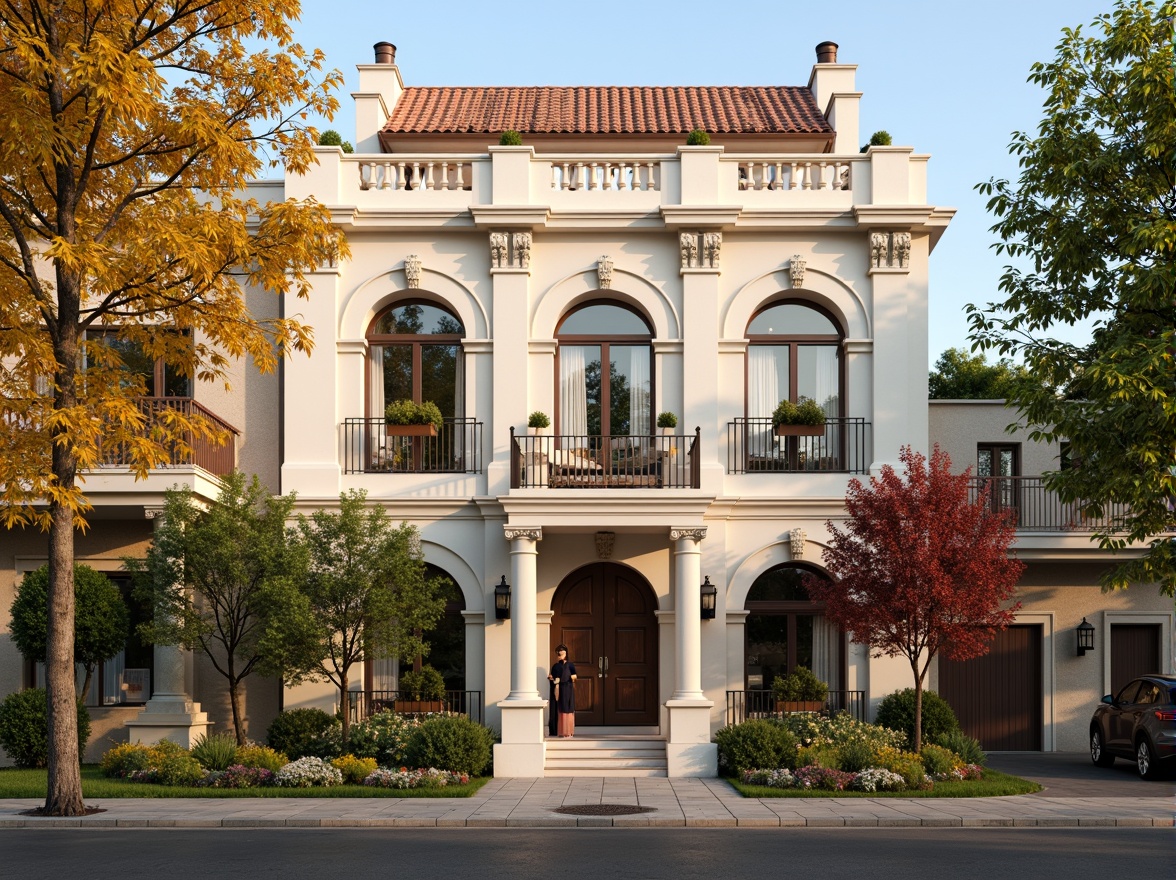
372,446
611,461
363,704
1037,509
745,705
194,449
843,446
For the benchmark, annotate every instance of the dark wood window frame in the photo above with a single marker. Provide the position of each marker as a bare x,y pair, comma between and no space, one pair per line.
415,341
793,343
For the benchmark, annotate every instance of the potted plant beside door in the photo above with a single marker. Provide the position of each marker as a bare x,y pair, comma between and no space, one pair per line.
406,418
800,691
421,692
805,418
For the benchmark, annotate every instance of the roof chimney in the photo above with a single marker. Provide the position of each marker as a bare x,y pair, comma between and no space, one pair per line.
826,52
386,53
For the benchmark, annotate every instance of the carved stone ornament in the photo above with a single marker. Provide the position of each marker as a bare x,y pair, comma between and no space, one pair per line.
879,250
512,532
796,269
695,534
902,249
712,244
498,250
412,271
153,513
522,250
797,538
604,544
604,267
688,242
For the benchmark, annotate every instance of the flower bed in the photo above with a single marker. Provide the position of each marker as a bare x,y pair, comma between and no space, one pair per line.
405,778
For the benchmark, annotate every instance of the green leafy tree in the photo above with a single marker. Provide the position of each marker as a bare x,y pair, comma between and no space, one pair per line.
101,620
223,581
1090,223
368,591
132,129
961,376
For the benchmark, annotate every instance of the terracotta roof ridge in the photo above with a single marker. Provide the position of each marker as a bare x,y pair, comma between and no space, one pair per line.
759,86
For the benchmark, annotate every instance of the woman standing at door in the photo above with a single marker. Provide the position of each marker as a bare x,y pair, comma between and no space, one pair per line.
563,692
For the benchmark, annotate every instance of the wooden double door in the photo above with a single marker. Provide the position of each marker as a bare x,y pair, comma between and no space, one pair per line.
604,613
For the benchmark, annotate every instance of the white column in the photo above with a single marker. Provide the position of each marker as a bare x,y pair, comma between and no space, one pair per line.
687,613
523,640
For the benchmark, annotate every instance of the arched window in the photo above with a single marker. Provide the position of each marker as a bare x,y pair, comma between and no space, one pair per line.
590,337
786,629
446,646
794,351
415,354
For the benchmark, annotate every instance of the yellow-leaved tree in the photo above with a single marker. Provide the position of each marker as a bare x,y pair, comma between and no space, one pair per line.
130,129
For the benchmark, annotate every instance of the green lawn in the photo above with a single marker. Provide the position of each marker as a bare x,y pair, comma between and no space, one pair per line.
33,784
994,784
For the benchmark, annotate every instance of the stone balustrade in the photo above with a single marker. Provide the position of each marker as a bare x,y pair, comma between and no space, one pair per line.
614,174
414,173
781,173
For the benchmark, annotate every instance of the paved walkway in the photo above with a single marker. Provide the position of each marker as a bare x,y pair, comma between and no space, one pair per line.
675,802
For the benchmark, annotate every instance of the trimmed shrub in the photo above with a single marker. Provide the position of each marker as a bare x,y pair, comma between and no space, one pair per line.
698,138
355,770
428,684
261,758
172,768
938,762
307,773
759,744
800,684
216,752
897,711
969,749
383,736
856,756
123,759
453,743
300,733
24,727
510,138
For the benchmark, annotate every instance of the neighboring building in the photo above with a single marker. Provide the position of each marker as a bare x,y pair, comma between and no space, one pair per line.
778,262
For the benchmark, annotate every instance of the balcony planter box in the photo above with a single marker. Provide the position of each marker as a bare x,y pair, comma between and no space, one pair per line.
411,430
800,705
799,430
417,707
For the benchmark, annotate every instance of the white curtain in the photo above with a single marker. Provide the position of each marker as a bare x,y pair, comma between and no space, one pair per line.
825,388
763,393
374,434
821,660
573,390
639,391
384,674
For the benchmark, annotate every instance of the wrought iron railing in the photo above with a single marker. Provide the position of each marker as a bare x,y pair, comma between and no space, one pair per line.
843,446
363,704
744,705
1037,509
193,448
372,446
611,461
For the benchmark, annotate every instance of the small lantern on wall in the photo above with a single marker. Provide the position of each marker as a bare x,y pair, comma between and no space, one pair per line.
710,595
502,600
1085,637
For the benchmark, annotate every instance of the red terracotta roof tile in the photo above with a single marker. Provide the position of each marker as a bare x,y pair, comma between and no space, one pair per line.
607,110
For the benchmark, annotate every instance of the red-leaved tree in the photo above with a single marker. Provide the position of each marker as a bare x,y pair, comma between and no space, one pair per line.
917,570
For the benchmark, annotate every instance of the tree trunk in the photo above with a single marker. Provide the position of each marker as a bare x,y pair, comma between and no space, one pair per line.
64,794
235,702
344,710
918,712
86,681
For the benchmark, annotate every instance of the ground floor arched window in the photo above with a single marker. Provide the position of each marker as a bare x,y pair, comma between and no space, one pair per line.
785,629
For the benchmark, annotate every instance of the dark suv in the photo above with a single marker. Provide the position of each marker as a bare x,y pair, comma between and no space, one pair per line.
1138,723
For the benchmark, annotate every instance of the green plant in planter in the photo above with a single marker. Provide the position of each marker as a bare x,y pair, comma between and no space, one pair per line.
426,685
407,412
804,412
878,139
800,685
698,138
510,138
538,419
667,420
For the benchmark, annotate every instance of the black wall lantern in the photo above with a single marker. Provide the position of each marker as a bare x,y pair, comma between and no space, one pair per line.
710,595
502,600
1085,637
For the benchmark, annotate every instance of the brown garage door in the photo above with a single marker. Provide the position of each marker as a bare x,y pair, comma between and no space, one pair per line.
998,697
1135,651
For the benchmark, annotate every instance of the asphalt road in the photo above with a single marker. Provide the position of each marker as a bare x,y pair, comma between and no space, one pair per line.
1071,774
588,853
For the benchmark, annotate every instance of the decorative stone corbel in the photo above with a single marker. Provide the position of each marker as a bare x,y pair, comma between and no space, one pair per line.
902,249
688,243
712,244
499,254
412,271
796,539
604,269
604,544
522,250
879,250
796,269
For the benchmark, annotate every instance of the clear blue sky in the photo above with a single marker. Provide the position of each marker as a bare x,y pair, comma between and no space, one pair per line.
947,78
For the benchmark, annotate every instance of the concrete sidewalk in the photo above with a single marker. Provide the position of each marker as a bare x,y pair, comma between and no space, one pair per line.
673,802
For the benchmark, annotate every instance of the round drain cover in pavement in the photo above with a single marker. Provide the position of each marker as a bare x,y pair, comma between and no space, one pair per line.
604,810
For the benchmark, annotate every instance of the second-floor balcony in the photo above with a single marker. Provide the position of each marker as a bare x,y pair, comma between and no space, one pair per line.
841,446
1037,509
372,446
612,461
193,450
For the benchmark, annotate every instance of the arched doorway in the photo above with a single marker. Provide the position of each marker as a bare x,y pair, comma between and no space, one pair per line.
604,613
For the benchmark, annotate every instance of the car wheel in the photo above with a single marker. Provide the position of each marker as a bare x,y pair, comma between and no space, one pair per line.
1098,753
1145,759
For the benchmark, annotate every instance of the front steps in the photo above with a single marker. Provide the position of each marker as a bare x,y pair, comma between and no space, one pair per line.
604,755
